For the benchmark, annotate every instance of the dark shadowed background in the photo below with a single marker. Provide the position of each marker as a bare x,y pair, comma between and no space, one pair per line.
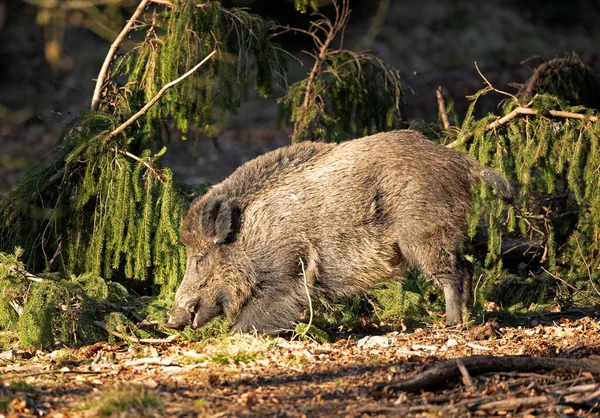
50,56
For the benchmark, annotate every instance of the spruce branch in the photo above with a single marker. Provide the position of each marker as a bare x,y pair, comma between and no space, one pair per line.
158,95
144,162
342,15
112,51
521,110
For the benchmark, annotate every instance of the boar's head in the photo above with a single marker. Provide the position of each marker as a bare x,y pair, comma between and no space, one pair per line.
216,279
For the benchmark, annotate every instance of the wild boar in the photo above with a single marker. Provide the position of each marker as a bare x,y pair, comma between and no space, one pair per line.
348,215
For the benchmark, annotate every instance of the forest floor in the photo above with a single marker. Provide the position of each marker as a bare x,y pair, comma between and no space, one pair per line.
261,376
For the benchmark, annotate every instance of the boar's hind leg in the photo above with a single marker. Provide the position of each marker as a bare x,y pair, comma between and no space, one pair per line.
453,273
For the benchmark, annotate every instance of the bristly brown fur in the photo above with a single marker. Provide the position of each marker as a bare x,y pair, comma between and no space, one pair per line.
356,213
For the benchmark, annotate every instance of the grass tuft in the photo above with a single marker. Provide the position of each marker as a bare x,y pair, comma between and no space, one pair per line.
126,401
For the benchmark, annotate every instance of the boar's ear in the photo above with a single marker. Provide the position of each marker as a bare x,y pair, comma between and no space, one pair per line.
220,219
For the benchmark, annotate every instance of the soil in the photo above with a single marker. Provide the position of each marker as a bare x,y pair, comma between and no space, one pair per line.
259,376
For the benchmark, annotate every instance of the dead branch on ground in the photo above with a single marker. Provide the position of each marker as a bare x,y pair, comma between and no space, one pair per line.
476,365
133,338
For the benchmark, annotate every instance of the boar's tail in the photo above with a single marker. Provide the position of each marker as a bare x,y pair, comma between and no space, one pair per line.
496,180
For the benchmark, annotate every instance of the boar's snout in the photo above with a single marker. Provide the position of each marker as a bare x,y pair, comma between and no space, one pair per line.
192,313
182,315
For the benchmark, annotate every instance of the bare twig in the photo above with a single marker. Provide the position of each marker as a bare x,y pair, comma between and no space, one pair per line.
452,144
111,53
589,387
466,377
310,307
145,163
167,340
515,403
587,266
442,107
492,88
527,111
478,346
158,95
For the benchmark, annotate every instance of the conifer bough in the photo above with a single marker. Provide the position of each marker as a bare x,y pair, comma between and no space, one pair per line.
112,51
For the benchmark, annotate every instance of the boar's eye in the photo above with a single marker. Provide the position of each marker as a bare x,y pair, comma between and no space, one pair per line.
200,259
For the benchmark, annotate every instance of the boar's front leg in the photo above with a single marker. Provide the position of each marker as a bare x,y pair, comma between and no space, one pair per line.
452,272
465,270
271,311
456,282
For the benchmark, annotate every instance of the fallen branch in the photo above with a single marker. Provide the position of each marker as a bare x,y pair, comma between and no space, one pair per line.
158,361
111,53
466,377
520,110
169,339
476,365
49,372
115,333
18,308
26,274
